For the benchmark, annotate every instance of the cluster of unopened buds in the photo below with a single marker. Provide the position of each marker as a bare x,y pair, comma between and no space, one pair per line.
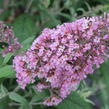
63,56
8,42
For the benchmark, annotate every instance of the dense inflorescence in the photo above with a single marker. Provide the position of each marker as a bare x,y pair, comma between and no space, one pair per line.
8,42
63,56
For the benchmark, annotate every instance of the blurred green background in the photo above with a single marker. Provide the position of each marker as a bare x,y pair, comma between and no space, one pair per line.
28,18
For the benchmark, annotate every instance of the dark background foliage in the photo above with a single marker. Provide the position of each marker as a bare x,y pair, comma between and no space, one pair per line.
28,18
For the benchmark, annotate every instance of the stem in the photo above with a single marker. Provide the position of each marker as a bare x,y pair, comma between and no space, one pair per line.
5,5
28,6
14,104
16,89
36,103
17,104
95,9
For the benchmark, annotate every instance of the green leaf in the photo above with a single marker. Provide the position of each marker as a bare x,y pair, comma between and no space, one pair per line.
24,27
26,43
1,60
5,15
3,92
7,58
25,107
104,82
40,95
4,103
46,3
73,101
104,69
3,89
51,23
18,98
2,95
1,3
6,71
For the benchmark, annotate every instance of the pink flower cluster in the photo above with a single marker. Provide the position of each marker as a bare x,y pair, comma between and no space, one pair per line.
8,42
63,56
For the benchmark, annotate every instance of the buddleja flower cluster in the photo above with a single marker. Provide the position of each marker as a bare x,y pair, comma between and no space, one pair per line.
8,42
63,56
